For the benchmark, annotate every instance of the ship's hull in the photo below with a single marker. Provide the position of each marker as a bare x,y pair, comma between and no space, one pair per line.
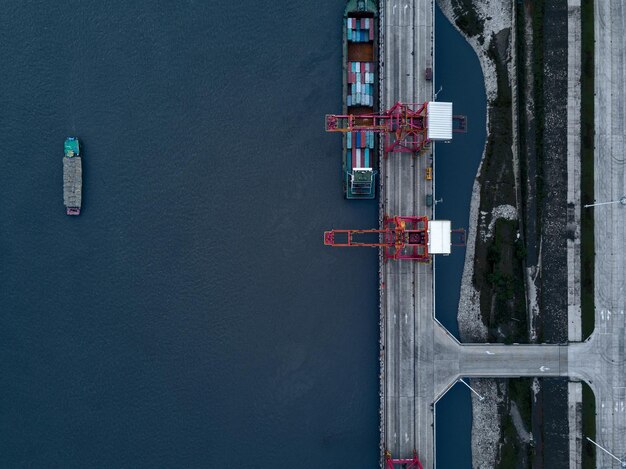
360,96
72,177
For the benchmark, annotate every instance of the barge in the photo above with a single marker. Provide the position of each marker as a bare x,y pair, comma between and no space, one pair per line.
72,176
360,96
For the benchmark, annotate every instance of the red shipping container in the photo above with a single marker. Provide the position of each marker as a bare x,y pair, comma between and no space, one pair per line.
371,31
362,23
362,67
362,139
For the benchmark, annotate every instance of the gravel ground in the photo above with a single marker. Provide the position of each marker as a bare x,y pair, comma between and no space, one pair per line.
486,421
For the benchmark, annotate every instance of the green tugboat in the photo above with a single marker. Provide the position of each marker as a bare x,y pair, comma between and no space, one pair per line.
360,96
72,176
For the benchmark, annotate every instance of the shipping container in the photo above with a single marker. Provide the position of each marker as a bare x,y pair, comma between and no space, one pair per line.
360,56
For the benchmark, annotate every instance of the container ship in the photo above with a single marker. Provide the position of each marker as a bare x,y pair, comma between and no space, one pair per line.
72,176
360,96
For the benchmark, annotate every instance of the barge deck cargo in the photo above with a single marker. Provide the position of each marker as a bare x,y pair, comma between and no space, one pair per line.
72,176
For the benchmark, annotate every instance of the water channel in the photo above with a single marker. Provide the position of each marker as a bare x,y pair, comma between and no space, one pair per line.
460,77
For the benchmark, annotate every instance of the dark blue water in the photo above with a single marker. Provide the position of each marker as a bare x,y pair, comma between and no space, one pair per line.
190,317
458,72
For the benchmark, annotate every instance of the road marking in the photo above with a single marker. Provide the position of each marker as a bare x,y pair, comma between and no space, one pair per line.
544,368
489,353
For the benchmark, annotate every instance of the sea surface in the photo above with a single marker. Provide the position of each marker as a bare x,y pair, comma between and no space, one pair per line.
190,316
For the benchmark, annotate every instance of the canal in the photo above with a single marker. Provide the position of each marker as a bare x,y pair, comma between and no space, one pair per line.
460,78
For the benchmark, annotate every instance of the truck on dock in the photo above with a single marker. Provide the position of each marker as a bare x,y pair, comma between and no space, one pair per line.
72,176
360,96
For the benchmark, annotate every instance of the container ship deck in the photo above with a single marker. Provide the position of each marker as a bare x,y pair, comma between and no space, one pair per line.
360,96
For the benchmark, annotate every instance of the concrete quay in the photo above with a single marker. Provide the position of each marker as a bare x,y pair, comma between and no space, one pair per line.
407,324
602,362
420,360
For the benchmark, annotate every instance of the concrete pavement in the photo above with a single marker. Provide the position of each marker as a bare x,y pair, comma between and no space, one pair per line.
604,369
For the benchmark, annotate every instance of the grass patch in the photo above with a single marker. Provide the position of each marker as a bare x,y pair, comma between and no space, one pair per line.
589,428
520,391
522,100
587,243
508,450
505,276
537,12
514,453
467,19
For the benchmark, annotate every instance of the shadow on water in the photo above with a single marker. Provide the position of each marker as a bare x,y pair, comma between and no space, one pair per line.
459,74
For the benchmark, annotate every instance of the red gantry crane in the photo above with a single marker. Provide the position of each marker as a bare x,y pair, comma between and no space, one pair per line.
407,463
402,237
408,128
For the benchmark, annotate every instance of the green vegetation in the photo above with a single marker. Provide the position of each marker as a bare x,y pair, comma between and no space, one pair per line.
587,243
508,451
538,44
520,392
513,452
522,100
587,247
505,277
589,428
467,19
